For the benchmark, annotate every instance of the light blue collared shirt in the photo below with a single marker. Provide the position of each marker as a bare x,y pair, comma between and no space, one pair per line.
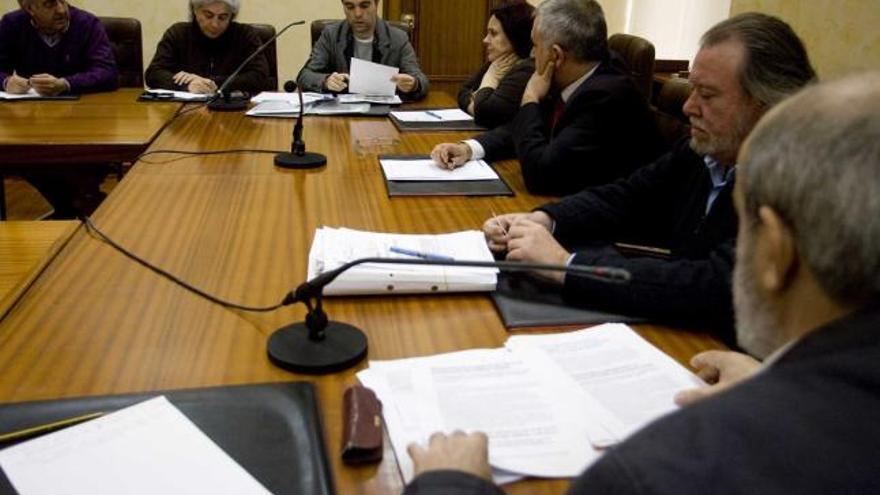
720,176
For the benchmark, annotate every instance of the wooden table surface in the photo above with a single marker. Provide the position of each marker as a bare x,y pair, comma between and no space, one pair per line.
240,228
25,248
101,127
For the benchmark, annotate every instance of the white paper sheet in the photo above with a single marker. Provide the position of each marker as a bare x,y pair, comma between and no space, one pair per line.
632,379
308,97
30,95
144,449
183,95
369,78
445,115
426,169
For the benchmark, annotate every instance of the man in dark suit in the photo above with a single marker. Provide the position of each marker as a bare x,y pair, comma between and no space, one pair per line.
807,287
582,121
681,203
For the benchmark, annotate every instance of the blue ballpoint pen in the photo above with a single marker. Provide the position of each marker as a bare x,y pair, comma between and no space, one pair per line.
419,254
433,114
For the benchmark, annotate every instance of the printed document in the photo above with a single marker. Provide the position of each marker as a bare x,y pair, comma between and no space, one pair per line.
332,248
146,449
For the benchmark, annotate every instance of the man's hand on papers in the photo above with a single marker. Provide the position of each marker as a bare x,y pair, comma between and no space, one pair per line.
457,451
720,369
451,155
496,229
48,85
405,83
336,82
539,84
184,78
532,242
17,85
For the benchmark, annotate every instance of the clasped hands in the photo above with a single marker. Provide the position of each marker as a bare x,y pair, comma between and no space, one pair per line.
195,83
43,84
337,82
468,452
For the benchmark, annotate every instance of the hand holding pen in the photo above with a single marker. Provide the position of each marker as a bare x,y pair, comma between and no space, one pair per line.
451,155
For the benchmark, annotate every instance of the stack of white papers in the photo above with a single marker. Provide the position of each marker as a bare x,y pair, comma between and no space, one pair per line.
548,403
331,248
374,99
447,115
293,98
426,170
369,78
145,449
181,95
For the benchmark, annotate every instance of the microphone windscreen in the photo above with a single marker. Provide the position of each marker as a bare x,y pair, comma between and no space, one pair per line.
289,86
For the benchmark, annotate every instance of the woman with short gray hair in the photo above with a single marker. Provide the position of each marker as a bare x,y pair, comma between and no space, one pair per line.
199,55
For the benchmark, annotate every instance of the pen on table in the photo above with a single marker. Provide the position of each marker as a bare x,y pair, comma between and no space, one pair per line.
498,221
35,431
420,254
433,114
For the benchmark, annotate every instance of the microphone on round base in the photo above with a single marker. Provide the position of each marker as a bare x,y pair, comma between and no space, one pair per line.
228,105
298,157
304,161
291,348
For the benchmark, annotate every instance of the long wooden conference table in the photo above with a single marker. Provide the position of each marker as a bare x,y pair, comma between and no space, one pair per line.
236,226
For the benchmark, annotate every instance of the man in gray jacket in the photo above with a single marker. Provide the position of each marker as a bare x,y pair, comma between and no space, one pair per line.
362,35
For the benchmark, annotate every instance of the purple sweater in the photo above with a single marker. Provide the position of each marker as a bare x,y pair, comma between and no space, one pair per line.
83,56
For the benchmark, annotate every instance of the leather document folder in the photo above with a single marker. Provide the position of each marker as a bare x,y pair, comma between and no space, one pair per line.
523,301
272,430
443,188
455,125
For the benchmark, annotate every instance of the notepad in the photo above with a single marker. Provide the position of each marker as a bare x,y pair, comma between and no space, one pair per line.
370,78
445,115
144,449
427,170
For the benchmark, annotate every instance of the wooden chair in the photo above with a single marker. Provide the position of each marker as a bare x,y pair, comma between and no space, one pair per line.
126,40
266,32
638,53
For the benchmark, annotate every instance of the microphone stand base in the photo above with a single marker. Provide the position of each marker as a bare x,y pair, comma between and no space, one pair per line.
232,105
306,160
343,347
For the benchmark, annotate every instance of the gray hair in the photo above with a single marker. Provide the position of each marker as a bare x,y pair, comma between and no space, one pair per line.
815,160
776,62
234,5
578,26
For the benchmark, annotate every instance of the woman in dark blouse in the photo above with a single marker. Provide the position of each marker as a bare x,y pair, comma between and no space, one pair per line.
198,56
493,94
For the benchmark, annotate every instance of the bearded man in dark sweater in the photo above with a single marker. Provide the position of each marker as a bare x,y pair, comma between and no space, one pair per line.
680,205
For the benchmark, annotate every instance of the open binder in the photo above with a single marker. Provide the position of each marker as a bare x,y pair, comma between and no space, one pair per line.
272,430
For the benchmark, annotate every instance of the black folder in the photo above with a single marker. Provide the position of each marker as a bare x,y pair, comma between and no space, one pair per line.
43,98
524,301
148,97
272,430
495,187
453,125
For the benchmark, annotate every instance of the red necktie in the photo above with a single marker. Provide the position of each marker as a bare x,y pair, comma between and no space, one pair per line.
558,108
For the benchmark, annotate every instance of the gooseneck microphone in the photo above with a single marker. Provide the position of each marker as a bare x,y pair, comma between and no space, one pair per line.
319,345
298,157
221,100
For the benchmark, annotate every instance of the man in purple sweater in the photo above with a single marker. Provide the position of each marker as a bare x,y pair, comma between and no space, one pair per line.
53,48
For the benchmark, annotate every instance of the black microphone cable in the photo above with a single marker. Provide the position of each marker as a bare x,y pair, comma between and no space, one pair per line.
92,229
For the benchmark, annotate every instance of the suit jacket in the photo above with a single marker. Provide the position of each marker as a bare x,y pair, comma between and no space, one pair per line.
498,106
185,48
660,205
83,56
605,132
333,51
807,424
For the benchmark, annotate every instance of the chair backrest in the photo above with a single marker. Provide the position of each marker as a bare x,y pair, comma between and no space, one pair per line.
266,31
638,53
669,115
319,25
125,38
